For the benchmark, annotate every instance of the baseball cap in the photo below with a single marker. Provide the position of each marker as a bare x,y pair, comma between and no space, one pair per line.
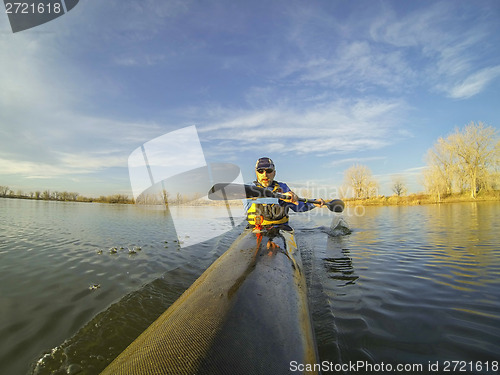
264,163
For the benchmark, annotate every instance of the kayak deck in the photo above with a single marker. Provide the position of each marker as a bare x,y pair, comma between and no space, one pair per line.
246,314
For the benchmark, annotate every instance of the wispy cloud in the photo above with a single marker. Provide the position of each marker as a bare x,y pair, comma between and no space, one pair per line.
426,47
421,27
65,165
359,160
356,65
450,54
414,169
329,128
29,169
474,83
140,60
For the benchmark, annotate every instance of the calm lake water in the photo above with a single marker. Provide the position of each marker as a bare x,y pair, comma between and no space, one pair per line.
408,285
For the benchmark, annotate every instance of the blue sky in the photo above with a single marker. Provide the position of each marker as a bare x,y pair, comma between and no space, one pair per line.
316,85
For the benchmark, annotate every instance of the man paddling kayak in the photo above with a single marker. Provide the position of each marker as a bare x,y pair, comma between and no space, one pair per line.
274,214
225,323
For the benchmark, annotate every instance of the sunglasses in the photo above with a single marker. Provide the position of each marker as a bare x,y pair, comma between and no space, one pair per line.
268,170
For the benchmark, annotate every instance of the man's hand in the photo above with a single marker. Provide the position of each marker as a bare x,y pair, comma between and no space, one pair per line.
293,197
320,203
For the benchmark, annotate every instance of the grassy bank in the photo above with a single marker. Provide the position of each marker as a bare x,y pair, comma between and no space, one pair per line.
417,199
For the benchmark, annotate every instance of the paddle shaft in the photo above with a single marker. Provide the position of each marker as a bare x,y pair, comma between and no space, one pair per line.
335,205
226,191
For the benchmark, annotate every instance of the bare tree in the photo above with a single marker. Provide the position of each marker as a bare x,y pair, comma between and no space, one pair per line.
3,191
443,166
399,185
359,178
46,195
179,199
474,148
435,184
165,196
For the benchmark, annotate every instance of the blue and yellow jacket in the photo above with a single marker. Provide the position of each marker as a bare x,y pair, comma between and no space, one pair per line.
273,213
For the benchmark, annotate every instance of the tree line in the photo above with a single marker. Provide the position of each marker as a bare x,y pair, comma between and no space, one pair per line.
164,197
62,196
465,162
159,198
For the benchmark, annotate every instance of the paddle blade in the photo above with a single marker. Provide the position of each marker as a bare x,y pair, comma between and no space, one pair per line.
228,191
335,205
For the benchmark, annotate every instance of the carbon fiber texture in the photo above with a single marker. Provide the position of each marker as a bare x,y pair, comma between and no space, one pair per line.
246,314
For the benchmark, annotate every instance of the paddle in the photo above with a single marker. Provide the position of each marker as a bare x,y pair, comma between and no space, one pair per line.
228,191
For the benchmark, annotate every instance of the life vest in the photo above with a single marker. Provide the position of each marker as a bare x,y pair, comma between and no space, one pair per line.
268,214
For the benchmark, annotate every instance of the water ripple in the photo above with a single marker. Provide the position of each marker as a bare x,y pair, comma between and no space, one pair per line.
405,284
414,286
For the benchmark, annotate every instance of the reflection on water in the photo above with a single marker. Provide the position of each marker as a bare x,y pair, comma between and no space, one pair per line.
413,284
407,285
341,269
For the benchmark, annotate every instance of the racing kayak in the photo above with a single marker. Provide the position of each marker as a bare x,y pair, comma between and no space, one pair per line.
246,314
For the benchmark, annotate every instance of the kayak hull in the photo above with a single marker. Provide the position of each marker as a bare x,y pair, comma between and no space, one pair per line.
246,314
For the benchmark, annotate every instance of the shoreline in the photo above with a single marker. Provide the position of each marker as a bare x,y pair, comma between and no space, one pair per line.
407,200
421,199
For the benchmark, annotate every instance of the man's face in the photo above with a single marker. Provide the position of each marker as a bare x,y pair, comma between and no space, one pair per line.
265,176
